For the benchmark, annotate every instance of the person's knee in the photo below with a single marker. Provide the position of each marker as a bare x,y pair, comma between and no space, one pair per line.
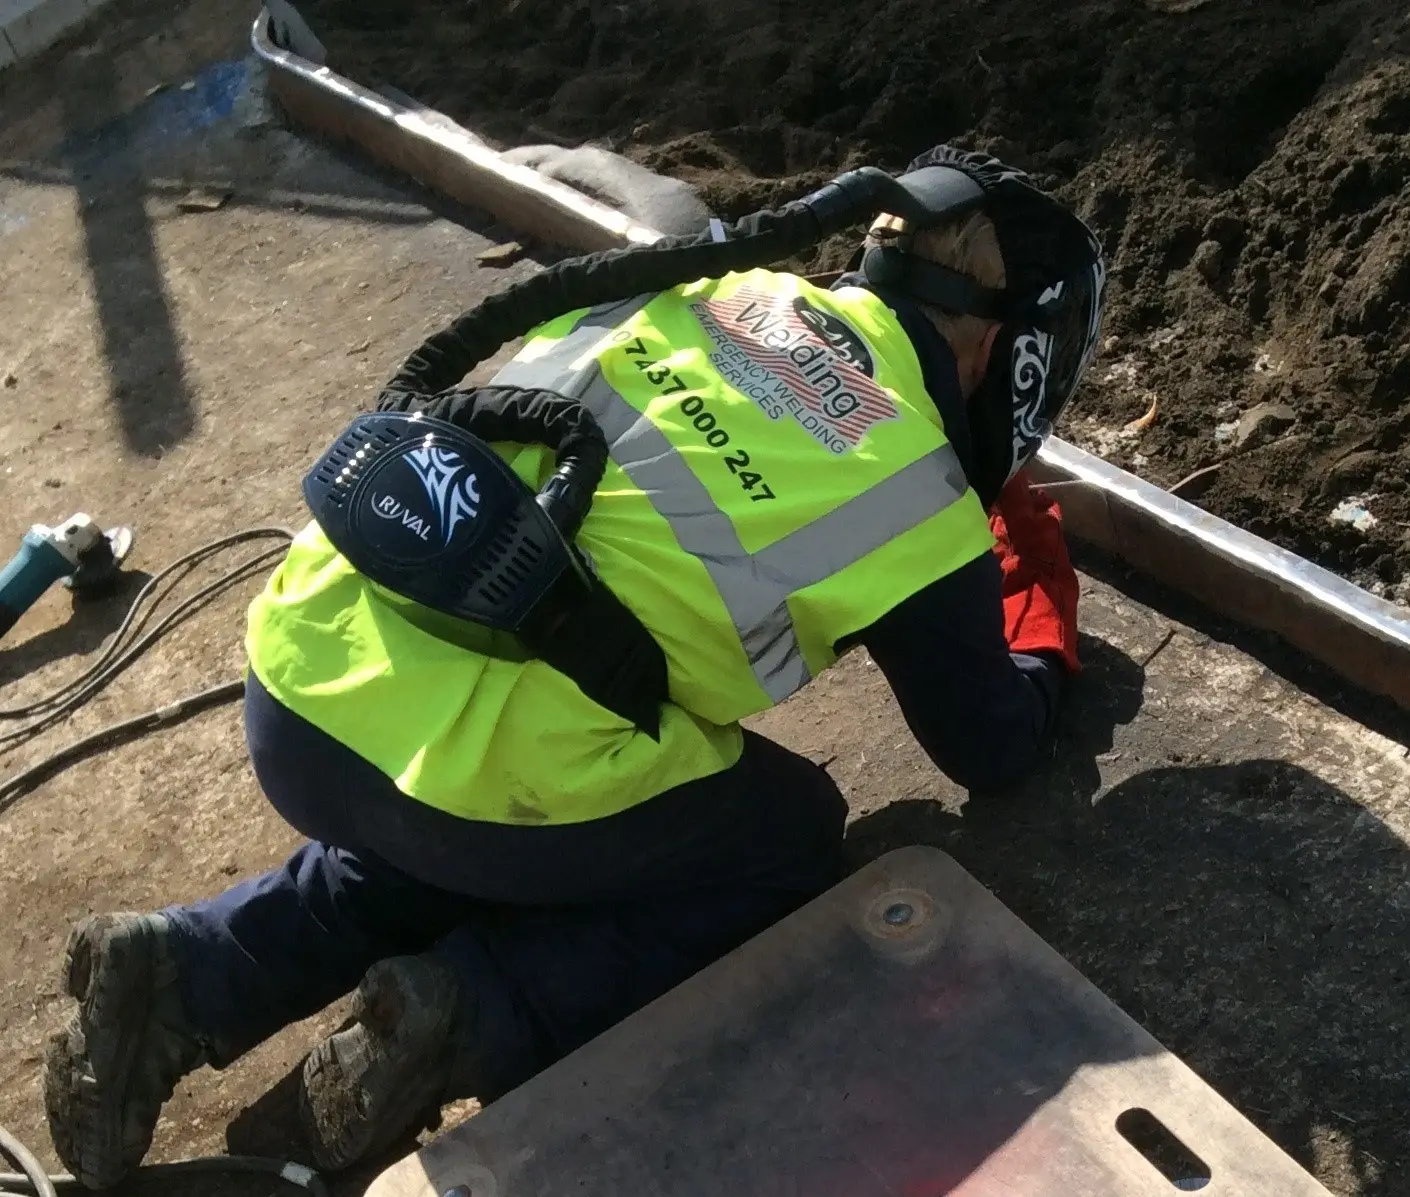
801,790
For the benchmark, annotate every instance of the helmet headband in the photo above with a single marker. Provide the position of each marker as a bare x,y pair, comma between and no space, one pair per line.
1051,306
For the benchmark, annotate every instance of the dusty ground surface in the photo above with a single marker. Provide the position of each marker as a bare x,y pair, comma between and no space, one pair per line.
177,371
1246,163
1224,855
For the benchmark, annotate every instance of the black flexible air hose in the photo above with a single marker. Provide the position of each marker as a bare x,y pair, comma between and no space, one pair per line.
761,239
34,1182
508,414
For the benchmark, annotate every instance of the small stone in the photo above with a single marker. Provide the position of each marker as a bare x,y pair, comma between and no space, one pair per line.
1358,468
1353,511
1263,423
501,255
1065,155
360,348
11,379
1009,151
53,483
1209,260
204,199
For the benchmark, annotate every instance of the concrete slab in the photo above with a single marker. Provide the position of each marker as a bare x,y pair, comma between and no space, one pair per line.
30,26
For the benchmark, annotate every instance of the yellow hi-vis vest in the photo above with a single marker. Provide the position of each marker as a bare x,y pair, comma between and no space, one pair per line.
779,480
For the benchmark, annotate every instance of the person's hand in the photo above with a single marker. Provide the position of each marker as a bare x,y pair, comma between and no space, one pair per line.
1040,585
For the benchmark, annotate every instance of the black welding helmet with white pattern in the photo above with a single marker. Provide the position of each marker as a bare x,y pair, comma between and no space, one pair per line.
1050,308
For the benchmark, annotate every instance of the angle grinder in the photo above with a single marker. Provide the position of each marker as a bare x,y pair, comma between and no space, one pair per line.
78,552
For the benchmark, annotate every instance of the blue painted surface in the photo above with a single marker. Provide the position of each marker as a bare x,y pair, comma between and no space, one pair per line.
170,115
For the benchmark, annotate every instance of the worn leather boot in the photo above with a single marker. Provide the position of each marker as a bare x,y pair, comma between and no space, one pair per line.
109,1072
386,1076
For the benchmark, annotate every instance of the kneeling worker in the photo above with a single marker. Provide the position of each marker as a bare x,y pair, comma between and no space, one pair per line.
516,839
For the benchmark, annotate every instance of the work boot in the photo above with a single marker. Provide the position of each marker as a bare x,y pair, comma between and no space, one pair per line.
108,1073
384,1077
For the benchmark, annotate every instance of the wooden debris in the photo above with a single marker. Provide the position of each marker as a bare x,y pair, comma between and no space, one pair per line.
1192,487
1141,423
501,255
204,199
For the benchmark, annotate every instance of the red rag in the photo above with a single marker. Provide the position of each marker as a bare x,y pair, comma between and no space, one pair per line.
1040,585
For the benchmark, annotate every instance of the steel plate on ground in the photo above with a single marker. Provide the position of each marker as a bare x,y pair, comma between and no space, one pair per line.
904,1034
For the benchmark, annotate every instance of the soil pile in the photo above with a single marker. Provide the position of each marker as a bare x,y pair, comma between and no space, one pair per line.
1247,163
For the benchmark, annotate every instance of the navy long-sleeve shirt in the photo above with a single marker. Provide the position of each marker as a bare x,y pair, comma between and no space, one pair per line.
979,711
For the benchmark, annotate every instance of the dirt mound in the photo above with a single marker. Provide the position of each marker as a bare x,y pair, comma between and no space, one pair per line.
1246,162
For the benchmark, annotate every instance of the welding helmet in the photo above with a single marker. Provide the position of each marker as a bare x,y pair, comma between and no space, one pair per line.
1050,309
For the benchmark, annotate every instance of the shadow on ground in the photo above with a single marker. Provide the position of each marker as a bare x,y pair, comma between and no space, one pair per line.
91,621
1250,916
215,136
1377,712
269,1126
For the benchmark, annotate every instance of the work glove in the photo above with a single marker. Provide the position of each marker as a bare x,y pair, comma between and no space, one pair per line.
1040,585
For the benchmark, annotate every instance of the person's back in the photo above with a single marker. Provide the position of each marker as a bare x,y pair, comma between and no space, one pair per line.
779,479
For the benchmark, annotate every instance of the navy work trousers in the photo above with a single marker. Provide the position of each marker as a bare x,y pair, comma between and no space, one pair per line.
556,932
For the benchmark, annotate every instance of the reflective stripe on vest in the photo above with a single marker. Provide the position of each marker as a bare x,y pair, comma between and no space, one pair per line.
749,597
754,587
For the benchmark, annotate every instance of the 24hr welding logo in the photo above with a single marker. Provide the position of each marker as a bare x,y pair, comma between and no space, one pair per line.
790,356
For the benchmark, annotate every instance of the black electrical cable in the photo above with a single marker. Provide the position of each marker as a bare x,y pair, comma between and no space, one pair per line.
117,656
33,1179
117,733
128,643
34,1182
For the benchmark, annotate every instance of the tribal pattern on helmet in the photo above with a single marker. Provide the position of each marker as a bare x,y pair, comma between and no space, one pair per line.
1056,290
